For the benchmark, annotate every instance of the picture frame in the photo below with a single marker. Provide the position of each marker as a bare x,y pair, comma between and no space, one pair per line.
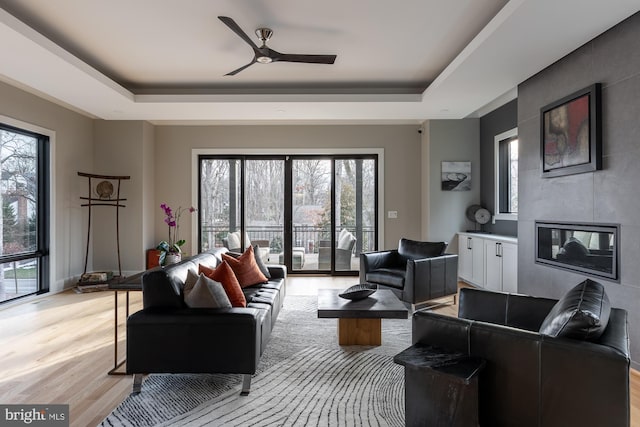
456,176
571,133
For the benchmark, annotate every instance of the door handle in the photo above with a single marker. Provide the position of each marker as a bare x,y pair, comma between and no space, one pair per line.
499,250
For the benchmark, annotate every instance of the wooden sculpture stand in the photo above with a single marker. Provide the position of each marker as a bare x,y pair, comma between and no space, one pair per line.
105,199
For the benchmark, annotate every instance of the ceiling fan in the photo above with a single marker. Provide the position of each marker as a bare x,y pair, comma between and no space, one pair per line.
265,55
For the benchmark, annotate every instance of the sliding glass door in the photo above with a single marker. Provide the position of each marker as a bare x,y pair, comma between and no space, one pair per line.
219,205
355,208
314,214
311,214
264,208
242,204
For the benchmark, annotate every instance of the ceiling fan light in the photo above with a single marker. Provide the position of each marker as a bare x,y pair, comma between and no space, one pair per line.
264,55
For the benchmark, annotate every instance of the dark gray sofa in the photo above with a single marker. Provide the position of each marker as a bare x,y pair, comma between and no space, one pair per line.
530,379
166,336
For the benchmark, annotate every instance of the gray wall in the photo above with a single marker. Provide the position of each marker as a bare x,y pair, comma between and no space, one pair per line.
450,140
610,195
496,122
149,206
402,155
125,148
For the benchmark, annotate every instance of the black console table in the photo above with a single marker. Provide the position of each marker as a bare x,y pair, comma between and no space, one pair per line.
126,284
441,387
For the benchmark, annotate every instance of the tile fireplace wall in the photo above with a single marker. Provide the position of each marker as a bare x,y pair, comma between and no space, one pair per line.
611,195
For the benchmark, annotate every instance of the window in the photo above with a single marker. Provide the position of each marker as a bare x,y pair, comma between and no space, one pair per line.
309,212
24,196
506,152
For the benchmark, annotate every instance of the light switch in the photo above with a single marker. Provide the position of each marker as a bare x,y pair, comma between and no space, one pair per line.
392,214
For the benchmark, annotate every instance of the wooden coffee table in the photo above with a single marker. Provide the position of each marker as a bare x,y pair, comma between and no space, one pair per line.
360,322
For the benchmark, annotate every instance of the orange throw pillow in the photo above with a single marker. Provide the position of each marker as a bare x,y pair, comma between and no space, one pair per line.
246,268
224,274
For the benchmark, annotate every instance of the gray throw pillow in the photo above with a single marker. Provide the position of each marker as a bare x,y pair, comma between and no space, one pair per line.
263,268
206,293
583,313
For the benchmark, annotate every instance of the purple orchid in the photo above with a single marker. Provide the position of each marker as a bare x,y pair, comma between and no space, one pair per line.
173,244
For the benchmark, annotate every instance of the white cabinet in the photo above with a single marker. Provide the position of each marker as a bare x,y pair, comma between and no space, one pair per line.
471,259
510,267
488,261
501,266
465,258
493,263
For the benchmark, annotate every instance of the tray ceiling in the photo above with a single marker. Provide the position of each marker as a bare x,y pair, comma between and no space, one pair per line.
165,60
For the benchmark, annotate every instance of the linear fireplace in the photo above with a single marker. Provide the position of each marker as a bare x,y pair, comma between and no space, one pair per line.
592,249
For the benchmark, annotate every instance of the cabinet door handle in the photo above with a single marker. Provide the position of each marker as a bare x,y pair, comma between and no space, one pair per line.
499,250
469,246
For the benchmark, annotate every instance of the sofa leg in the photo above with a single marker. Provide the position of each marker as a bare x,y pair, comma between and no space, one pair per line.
137,383
246,384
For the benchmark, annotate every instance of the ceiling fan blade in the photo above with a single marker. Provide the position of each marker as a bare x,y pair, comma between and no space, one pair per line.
309,59
234,72
236,29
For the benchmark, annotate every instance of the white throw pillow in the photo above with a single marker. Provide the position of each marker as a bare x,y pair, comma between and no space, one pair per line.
190,282
345,241
233,240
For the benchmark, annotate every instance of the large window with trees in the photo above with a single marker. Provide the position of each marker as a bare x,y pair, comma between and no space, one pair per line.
24,222
311,213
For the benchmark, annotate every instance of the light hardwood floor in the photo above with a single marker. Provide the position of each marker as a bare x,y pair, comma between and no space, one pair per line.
58,349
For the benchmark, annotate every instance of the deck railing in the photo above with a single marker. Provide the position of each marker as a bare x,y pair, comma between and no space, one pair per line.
309,237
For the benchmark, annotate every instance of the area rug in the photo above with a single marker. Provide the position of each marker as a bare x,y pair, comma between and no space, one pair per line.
304,378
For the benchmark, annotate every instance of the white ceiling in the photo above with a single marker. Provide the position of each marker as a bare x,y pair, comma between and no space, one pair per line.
397,62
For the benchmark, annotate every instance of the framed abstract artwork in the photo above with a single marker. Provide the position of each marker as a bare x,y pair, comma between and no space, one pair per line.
456,176
570,134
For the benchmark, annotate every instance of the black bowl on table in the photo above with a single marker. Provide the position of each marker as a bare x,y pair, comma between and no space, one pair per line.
358,292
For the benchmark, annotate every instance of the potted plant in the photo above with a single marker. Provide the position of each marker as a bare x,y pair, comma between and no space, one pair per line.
170,250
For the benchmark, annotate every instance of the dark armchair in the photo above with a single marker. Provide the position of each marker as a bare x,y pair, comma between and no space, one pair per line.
532,378
416,272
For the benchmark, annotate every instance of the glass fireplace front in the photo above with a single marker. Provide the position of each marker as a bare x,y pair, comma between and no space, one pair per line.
587,248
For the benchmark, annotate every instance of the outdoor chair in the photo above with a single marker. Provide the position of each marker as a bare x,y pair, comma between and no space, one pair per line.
344,251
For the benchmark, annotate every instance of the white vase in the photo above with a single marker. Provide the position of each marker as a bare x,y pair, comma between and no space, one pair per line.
172,258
